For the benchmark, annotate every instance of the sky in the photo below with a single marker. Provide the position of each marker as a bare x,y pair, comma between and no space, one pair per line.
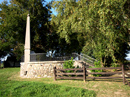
53,11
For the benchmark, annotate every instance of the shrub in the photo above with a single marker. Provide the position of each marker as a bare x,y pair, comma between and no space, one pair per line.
69,64
115,65
2,65
97,65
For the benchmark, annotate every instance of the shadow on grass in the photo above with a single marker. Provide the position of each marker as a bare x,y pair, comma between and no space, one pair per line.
111,80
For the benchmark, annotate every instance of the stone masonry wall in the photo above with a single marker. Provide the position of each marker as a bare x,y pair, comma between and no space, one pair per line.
43,69
39,69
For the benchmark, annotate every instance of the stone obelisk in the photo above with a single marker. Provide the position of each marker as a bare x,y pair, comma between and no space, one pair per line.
24,65
27,42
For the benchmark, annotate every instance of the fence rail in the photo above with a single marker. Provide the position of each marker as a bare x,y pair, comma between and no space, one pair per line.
47,57
85,58
104,73
62,74
124,78
59,57
81,73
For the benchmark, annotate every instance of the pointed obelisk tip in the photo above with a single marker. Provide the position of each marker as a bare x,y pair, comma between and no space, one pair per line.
28,15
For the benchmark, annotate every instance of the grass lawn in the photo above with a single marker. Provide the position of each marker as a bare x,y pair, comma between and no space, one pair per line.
11,85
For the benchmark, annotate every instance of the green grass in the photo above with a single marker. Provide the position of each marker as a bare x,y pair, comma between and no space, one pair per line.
23,88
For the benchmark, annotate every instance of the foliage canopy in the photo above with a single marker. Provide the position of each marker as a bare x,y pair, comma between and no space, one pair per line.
102,25
13,25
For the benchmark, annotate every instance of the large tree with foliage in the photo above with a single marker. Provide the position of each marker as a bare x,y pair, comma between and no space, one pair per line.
13,25
69,41
62,46
102,24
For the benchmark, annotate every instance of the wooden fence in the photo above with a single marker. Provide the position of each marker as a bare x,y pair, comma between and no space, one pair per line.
81,73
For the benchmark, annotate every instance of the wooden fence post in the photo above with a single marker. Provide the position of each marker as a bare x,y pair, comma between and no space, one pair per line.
54,73
123,73
84,73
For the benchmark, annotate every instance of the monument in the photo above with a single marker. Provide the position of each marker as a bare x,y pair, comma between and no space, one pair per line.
27,47
27,42
35,69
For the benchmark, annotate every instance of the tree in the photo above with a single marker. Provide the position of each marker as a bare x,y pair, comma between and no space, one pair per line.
13,25
61,46
102,25
70,39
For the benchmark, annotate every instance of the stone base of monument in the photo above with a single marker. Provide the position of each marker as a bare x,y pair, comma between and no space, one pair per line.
43,68
39,69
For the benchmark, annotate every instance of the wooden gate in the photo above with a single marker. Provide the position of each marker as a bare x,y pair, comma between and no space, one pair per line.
81,73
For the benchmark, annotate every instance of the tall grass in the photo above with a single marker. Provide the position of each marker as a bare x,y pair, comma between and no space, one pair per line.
10,88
